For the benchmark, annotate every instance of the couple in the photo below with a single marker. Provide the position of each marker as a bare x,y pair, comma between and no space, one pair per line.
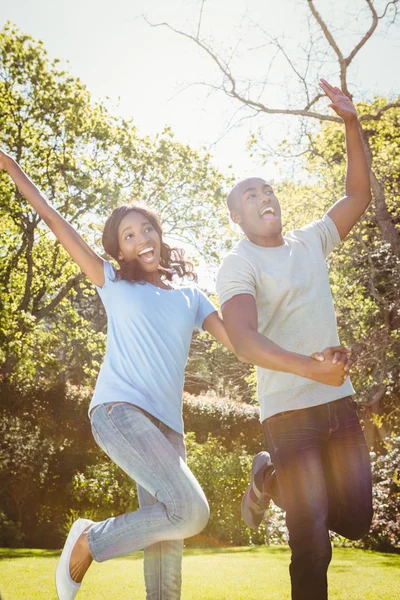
277,314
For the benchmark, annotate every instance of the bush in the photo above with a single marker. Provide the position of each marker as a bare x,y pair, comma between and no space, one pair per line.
231,422
103,490
45,438
384,534
224,476
10,534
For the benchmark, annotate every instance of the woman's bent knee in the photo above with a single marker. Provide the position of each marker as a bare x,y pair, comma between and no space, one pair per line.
198,516
202,511
191,515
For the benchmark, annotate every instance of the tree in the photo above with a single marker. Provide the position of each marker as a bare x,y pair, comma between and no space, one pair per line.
308,96
86,161
379,242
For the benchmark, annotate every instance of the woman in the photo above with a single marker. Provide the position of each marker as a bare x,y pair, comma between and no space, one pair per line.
136,410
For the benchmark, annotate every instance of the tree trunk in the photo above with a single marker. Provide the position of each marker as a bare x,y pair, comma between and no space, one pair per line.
384,220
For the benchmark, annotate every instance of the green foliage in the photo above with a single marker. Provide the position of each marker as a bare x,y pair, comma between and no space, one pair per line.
231,422
385,530
86,161
224,476
103,490
45,439
10,533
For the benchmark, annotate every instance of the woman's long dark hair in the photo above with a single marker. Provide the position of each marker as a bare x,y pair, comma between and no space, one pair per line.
172,261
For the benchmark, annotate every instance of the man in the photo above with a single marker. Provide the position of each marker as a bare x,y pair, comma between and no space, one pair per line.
278,310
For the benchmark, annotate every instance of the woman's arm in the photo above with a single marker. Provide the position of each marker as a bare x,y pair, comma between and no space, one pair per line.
215,326
77,248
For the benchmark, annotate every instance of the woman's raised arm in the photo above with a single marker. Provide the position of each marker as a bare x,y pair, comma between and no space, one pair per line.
90,262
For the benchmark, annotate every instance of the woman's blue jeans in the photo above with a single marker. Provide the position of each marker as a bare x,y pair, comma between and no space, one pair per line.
324,477
172,504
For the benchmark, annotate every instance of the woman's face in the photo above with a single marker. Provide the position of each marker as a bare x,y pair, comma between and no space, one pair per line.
138,240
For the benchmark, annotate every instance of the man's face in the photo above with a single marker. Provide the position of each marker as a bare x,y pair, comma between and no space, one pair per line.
257,210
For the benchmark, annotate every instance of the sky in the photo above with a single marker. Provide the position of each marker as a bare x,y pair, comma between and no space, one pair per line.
147,73
150,74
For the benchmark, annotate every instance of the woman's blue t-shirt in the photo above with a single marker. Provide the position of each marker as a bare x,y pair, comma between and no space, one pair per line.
149,331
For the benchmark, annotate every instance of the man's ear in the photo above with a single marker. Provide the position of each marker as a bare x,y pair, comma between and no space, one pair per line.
236,218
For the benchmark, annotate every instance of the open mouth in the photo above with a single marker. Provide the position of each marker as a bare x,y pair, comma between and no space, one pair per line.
267,213
147,255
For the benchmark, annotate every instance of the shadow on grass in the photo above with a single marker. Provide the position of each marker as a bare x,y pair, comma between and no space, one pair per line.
394,561
385,559
15,553
277,550
7,553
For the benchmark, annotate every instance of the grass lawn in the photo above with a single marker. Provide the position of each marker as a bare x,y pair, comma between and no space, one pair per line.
247,573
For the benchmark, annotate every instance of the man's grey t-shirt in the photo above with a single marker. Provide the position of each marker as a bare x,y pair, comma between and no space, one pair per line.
295,308
149,331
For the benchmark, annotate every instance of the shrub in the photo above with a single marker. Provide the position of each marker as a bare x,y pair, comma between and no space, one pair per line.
10,534
103,490
231,422
384,534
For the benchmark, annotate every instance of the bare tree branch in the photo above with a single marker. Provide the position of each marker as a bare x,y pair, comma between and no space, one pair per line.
233,93
393,3
366,37
331,41
200,17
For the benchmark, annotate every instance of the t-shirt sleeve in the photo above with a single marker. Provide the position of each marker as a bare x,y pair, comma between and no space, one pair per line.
109,278
235,276
204,308
325,232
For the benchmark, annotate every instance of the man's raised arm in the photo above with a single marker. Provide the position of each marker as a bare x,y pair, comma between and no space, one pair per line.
346,212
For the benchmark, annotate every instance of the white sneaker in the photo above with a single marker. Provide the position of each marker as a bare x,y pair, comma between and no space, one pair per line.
66,587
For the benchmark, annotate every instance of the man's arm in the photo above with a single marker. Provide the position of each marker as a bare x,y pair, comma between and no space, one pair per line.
240,319
346,212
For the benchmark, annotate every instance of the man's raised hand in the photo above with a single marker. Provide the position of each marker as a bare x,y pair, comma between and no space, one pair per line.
341,104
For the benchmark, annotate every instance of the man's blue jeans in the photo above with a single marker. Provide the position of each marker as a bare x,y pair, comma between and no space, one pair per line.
324,477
